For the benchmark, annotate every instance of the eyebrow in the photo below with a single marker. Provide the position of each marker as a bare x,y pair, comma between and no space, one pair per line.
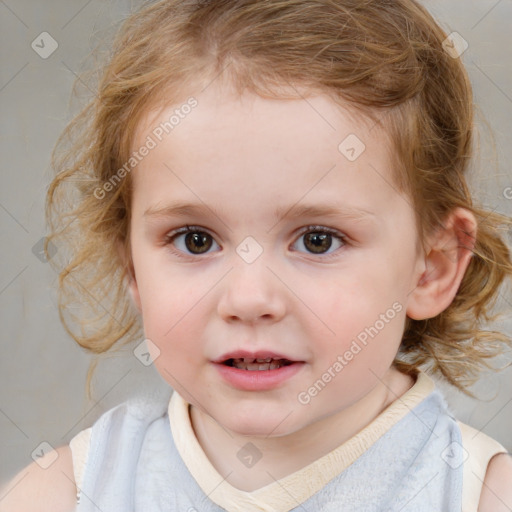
325,210
182,209
178,210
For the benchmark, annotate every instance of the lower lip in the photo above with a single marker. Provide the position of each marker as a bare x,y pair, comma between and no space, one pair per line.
257,380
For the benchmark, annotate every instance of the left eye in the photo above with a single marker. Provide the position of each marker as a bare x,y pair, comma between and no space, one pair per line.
319,241
192,241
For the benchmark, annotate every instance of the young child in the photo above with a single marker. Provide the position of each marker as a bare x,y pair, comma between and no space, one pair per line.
275,192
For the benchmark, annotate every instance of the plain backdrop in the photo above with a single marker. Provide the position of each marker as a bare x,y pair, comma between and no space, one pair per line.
42,370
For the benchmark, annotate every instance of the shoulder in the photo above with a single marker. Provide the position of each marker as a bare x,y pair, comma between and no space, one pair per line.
487,469
35,489
497,490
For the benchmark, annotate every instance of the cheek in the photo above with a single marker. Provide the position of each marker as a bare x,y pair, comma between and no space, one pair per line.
165,295
172,320
178,344
365,315
170,312
360,296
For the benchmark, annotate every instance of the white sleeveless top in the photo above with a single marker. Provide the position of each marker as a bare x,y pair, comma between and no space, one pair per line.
479,449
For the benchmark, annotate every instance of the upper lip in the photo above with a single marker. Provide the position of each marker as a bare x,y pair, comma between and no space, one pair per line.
260,354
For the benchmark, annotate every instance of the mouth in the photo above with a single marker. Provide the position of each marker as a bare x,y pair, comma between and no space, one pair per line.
257,371
257,364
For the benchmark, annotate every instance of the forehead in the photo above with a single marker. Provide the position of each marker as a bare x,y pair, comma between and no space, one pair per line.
221,109
262,149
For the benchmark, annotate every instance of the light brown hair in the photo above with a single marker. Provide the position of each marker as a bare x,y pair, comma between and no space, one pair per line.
385,58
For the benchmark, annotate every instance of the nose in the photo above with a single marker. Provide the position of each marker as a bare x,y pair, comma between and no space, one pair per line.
251,293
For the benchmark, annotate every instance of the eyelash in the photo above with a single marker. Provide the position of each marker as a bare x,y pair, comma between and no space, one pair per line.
170,237
322,229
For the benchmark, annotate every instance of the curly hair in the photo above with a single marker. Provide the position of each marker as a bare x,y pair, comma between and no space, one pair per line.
387,59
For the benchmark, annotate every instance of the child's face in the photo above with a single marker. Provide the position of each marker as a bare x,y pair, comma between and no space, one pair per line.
251,176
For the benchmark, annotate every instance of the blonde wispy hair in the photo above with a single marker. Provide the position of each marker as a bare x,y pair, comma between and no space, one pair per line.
386,59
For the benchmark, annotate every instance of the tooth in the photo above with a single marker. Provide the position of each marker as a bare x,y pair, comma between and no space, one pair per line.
255,366
248,359
258,366
267,360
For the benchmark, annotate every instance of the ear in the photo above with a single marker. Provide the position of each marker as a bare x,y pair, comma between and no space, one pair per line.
449,251
130,274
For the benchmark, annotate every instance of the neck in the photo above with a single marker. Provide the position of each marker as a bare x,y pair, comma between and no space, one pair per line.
285,455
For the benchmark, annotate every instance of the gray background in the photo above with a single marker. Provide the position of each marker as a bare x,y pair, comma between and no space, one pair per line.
42,370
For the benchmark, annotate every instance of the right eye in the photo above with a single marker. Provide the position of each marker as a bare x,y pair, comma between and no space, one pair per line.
191,240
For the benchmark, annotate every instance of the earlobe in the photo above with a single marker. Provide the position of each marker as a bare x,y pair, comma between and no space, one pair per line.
448,255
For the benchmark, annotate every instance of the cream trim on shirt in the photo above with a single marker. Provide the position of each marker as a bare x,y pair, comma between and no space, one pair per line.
307,481
291,491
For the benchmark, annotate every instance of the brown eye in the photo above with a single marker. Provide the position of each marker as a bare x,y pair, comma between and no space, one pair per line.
317,242
192,241
320,240
198,242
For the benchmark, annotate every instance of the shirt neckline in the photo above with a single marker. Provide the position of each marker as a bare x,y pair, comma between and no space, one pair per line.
294,489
